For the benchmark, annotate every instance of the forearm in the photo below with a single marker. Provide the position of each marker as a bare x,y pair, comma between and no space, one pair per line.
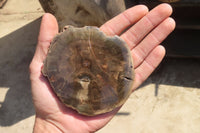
42,126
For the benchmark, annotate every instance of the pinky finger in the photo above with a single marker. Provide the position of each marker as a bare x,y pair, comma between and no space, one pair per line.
145,69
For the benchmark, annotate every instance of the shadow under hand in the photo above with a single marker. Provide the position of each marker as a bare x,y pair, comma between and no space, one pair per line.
123,113
16,52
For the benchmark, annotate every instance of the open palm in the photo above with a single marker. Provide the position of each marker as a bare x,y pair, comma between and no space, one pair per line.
146,30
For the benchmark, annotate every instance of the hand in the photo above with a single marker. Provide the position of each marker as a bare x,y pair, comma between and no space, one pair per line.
146,31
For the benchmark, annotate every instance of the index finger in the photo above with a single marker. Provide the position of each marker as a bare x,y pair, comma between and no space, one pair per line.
122,21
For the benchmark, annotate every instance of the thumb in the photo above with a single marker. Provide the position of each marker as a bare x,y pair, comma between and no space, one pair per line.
48,29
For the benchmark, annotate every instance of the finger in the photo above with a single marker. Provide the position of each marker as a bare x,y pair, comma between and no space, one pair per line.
119,23
153,39
48,29
137,32
148,65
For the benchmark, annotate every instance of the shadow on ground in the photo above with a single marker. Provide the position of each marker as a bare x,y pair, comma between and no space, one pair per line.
16,52
182,72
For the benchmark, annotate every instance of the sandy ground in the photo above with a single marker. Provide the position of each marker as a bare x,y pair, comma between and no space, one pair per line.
169,101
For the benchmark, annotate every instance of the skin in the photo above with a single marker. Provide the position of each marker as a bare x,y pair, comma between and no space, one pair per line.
146,30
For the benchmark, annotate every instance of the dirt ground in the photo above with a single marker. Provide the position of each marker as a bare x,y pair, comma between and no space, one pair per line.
168,102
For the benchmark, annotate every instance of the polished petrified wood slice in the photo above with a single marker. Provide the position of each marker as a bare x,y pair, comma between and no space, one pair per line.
89,71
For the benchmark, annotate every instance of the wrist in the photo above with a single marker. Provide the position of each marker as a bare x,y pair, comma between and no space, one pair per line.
43,126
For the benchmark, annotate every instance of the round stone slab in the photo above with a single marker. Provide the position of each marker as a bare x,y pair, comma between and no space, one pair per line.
89,71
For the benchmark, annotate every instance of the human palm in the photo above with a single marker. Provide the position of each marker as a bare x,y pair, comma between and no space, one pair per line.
146,30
